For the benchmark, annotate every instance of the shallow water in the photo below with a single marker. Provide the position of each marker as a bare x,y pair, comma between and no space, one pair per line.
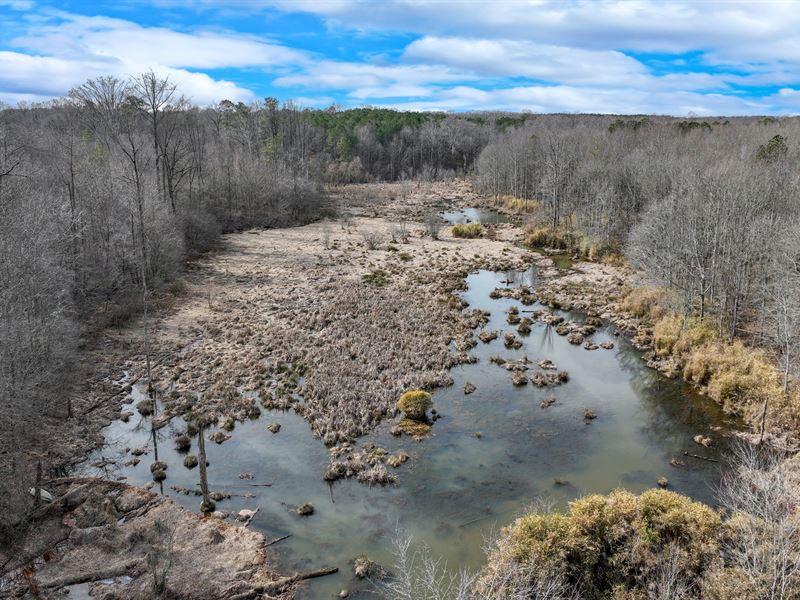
484,216
458,488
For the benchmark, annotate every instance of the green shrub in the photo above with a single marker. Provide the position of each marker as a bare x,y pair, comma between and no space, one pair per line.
467,230
415,403
608,545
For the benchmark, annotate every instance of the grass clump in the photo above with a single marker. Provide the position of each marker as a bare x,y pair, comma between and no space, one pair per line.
739,378
674,335
547,237
377,278
611,546
415,404
644,303
520,204
467,230
414,428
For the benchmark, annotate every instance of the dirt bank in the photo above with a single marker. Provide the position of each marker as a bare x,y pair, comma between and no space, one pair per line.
136,545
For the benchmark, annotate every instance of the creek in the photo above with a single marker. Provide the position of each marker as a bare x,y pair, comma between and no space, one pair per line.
458,487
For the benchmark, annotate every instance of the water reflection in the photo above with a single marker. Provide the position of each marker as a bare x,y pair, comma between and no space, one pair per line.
474,215
458,486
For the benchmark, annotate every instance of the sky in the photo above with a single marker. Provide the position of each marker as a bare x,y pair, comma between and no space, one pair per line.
681,58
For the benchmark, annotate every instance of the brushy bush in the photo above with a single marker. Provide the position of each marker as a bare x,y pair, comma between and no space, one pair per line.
433,222
520,204
467,230
415,403
593,249
739,378
674,335
612,546
644,303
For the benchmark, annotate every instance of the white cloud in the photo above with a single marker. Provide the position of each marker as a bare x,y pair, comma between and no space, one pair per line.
548,99
508,58
538,55
17,4
727,26
66,49
102,37
365,80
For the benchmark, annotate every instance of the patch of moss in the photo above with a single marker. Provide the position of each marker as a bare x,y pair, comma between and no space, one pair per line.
415,403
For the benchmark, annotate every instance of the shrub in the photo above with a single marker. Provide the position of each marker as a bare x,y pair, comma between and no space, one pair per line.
644,302
611,544
672,335
520,204
593,249
415,403
467,230
372,238
433,223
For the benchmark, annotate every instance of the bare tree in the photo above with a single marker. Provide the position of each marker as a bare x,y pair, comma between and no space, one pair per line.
762,493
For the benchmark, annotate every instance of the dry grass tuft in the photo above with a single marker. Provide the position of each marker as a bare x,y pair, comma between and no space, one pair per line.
467,230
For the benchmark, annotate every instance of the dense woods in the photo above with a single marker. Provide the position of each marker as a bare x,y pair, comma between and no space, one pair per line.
105,192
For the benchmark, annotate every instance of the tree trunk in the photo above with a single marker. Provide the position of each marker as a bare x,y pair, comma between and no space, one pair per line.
207,505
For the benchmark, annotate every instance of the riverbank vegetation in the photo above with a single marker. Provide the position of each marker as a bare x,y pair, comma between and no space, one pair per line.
657,545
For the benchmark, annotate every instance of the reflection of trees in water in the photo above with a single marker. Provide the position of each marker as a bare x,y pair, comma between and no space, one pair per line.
674,411
520,278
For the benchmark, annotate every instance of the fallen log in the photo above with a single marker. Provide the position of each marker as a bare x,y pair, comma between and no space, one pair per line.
280,539
700,457
251,517
125,568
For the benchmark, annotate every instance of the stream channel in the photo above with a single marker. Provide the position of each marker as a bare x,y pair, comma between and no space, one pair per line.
458,487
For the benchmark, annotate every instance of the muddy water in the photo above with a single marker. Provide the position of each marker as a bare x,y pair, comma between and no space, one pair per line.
457,488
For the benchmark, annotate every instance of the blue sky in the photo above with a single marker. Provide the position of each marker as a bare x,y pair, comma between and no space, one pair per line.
611,56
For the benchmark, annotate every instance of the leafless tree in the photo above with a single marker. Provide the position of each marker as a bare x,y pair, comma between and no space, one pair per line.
762,493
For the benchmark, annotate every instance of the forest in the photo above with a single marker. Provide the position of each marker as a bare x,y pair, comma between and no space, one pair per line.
107,194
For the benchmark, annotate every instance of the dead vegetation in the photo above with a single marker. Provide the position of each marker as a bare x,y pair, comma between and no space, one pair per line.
314,313
104,532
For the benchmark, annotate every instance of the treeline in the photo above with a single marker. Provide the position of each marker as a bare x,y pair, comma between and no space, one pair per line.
102,196
708,210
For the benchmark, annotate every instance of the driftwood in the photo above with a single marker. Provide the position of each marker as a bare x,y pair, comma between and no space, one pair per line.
125,568
477,519
251,517
318,573
282,584
276,540
700,457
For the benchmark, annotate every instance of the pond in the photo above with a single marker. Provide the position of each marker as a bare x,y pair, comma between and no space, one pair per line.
457,488
483,216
